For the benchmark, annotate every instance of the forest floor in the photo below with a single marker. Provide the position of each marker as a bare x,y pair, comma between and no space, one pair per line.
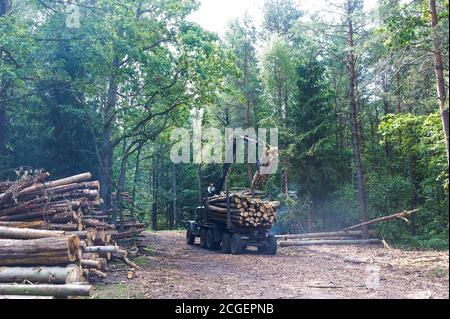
171,269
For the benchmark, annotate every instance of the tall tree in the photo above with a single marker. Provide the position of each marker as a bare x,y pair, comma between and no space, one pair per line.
241,38
439,71
352,6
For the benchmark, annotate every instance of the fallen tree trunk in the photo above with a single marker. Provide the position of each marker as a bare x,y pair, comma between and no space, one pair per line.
44,275
356,233
44,251
33,225
13,297
329,242
66,227
60,291
101,249
89,234
25,233
98,224
402,215
90,263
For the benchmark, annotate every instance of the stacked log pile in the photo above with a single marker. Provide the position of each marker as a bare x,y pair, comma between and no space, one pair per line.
245,211
40,263
48,239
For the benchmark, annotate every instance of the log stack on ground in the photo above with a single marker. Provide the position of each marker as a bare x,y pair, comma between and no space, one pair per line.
245,211
49,239
326,238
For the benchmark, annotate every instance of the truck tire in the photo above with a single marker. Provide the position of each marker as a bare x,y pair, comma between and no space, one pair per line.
190,237
272,246
203,238
210,243
237,245
226,244
262,249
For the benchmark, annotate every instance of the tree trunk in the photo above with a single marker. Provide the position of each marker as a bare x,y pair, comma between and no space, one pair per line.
247,108
355,233
330,242
199,185
117,204
102,249
45,251
387,110
174,196
45,275
18,224
310,210
24,233
354,123
47,290
439,71
92,264
136,180
155,193
106,154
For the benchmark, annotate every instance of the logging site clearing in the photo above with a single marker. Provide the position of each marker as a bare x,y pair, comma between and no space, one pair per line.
172,269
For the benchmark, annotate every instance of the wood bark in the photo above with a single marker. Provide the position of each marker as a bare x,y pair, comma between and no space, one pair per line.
45,275
17,224
101,249
174,196
135,180
329,242
89,263
47,290
25,233
44,251
320,235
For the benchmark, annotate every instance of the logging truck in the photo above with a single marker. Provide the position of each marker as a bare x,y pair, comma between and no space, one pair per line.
226,225
227,237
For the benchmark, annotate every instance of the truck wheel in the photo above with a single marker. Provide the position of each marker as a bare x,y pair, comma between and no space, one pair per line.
190,237
226,244
237,245
271,248
262,249
203,238
210,243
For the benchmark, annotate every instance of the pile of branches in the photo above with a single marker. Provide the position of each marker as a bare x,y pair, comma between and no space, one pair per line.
49,247
245,211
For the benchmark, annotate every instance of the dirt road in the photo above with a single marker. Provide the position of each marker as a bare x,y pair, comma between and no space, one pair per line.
171,269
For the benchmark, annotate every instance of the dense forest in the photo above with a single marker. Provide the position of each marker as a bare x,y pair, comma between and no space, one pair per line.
359,98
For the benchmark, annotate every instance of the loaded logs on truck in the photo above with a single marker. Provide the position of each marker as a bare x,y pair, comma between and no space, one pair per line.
244,210
46,239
